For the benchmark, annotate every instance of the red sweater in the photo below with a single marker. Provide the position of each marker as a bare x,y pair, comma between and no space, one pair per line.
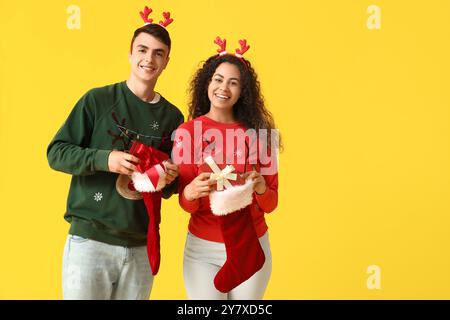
203,223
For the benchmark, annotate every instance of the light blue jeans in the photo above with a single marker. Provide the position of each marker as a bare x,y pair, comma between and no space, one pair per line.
95,270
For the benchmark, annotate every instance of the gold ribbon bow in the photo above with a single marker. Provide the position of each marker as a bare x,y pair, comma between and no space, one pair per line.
221,176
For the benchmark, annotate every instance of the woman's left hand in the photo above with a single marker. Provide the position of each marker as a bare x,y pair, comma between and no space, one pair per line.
259,185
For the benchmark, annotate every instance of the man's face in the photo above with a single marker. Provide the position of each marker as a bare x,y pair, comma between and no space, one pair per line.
149,57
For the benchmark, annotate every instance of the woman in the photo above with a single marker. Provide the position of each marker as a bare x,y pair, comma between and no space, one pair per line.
227,253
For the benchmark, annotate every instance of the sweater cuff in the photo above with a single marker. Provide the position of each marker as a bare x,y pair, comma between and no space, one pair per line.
189,206
263,197
101,160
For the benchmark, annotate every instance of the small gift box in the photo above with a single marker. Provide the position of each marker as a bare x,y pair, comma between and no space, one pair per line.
152,173
224,175
233,192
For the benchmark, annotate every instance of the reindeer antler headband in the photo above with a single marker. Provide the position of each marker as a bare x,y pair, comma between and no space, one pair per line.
144,15
222,43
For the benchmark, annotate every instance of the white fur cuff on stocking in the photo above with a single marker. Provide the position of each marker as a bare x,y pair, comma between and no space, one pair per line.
154,179
231,199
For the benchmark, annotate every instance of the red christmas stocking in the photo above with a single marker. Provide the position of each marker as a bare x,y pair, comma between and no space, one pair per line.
149,181
152,202
244,253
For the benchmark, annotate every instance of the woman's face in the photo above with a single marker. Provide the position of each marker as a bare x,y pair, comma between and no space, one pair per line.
225,86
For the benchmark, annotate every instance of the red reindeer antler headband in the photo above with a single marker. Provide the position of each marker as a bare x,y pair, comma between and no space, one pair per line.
144,15
244,48
222,43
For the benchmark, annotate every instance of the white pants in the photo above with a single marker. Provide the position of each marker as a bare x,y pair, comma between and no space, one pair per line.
203,259
95,270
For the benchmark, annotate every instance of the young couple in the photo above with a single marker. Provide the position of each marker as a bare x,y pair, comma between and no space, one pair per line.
116,144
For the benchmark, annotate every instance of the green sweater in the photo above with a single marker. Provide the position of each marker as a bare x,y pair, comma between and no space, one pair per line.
106,119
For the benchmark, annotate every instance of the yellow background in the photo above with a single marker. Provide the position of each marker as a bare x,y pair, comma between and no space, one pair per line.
364,114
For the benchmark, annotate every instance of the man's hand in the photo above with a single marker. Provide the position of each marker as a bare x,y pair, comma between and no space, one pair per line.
122,162
171,171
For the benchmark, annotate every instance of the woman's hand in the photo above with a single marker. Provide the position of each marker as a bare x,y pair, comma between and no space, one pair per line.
259,183
200,187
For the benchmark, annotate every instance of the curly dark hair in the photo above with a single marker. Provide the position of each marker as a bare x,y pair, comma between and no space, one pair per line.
249,110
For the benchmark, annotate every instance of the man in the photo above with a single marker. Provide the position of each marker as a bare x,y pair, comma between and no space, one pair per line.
105,255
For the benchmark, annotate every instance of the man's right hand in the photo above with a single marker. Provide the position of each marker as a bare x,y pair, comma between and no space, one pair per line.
122,162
